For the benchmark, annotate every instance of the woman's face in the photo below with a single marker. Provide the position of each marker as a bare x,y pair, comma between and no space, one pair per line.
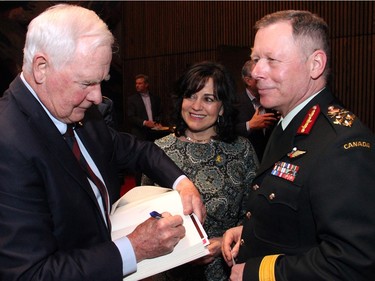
201,110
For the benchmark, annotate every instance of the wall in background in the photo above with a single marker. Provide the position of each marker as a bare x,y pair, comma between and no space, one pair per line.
162,38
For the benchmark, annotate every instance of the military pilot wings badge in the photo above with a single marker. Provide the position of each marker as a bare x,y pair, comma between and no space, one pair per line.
295,153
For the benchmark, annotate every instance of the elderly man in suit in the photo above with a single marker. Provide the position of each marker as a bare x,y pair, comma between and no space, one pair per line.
144,110
54,209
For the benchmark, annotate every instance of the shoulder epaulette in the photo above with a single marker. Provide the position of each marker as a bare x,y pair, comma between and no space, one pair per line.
309,120
341,116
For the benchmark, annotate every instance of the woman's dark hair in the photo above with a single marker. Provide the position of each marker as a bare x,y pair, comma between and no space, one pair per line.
192,81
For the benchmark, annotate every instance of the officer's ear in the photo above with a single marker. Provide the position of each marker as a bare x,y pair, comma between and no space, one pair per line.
318,62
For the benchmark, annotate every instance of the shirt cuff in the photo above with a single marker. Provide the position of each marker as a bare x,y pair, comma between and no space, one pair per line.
129,262
248,126
177,181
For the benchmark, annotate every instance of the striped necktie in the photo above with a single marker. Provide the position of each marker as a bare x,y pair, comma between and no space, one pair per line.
73,144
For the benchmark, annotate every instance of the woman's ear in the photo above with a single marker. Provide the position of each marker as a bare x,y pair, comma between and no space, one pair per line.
318,61
40,66
221,111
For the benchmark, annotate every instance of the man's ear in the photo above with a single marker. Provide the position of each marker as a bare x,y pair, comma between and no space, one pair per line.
40,67
318,61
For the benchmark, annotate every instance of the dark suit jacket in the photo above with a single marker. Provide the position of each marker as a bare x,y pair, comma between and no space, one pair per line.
322,222
245,112
51,227
106,108
137,113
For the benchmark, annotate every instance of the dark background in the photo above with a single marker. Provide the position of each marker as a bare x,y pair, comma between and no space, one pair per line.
161,38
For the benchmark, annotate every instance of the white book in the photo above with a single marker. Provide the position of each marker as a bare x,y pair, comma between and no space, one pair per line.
135,207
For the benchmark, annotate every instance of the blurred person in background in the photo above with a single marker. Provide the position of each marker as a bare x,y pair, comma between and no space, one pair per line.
253,121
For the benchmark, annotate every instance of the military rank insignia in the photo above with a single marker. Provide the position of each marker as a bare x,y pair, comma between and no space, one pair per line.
285,170
341,116
309,120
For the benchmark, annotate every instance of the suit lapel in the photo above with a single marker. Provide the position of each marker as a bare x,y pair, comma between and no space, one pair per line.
142,107
249,105
49,135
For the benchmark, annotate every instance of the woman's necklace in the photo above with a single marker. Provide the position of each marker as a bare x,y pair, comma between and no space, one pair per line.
198,141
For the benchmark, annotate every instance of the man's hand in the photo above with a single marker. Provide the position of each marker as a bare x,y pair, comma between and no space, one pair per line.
191,199
231,236
261,121
150,124
156,237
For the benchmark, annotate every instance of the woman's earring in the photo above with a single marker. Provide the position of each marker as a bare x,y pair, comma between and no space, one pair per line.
220,120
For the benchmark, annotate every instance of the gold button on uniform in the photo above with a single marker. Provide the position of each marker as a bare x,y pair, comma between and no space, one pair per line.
242,242
272,196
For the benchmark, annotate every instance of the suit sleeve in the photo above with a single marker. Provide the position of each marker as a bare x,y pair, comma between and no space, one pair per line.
135,155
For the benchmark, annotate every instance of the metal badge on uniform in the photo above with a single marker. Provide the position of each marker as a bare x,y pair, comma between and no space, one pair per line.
341,116
285,170
295,153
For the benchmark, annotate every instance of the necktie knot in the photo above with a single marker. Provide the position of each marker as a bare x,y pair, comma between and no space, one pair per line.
257,104
69,130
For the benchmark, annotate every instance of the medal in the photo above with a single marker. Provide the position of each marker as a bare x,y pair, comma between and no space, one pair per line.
285,170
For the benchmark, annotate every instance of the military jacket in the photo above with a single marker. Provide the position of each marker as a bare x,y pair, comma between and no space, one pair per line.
310,215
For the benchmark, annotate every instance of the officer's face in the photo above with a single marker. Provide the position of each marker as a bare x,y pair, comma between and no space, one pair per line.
282,70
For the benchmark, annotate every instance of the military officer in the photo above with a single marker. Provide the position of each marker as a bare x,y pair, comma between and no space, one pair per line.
310,215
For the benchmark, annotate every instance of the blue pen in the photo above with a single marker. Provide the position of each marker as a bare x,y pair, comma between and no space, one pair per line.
155,215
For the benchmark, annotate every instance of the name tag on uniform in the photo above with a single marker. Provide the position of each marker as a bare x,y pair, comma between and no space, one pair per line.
285,170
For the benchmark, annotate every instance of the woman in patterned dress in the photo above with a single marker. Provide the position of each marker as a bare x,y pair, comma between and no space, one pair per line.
221,164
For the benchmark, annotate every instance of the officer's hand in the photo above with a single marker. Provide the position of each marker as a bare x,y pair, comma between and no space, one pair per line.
231,237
